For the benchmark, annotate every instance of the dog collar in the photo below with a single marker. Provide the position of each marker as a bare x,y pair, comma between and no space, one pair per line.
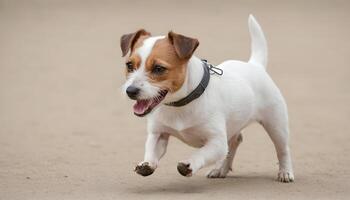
199,90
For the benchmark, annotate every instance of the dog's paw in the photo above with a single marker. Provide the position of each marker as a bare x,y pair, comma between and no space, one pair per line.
184,169
217,173
144,169
285,176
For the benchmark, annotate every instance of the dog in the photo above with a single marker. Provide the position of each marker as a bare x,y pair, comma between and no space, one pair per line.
204,106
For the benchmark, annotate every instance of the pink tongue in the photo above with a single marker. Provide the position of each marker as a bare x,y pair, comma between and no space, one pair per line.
141,106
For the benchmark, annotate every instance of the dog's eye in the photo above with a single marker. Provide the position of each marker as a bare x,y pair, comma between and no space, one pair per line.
158,69
129,66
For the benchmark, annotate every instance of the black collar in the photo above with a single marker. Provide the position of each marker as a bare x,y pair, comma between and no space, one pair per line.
199,90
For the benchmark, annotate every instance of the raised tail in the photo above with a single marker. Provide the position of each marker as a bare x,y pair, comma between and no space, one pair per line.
258,43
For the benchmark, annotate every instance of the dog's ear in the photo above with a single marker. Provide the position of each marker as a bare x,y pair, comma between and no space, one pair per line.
184,46
127,41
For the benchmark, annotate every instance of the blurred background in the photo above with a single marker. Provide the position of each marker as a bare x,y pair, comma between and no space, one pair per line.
66,132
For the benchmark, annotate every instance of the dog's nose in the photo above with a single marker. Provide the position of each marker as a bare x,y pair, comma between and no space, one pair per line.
132,92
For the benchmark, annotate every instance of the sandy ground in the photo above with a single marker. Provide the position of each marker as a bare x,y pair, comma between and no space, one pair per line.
66,132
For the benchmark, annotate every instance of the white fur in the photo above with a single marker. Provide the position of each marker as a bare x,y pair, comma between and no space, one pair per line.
259,44
245,93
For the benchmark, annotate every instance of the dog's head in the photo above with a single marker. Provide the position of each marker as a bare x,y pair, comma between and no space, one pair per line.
155,66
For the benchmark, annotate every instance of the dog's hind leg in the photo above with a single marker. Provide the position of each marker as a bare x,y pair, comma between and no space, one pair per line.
222,167
275,122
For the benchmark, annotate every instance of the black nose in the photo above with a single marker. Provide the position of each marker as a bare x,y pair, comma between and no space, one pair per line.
132,92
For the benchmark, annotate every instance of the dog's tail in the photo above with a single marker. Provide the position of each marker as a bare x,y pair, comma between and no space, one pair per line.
258,43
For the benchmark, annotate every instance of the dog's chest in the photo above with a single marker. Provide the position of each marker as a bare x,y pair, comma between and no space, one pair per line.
186,126
179,120
192,136
180,124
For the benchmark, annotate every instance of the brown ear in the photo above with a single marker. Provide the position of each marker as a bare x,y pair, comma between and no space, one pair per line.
127,41
184,46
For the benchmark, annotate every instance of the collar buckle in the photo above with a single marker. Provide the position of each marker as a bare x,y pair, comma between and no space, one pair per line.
213,70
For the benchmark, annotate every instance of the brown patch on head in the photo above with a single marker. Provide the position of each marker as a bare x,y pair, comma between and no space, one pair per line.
128,41
172,53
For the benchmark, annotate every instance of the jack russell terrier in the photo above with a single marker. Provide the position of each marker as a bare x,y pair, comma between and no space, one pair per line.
204,106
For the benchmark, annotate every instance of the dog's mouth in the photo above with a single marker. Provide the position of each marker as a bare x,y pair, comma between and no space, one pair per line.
144,106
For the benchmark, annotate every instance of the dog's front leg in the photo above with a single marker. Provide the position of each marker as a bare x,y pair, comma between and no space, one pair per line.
215,149
155,148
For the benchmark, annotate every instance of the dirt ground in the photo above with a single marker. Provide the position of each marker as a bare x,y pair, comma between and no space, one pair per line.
67,133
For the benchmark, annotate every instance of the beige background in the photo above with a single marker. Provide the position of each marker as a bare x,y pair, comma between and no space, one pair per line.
66,132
